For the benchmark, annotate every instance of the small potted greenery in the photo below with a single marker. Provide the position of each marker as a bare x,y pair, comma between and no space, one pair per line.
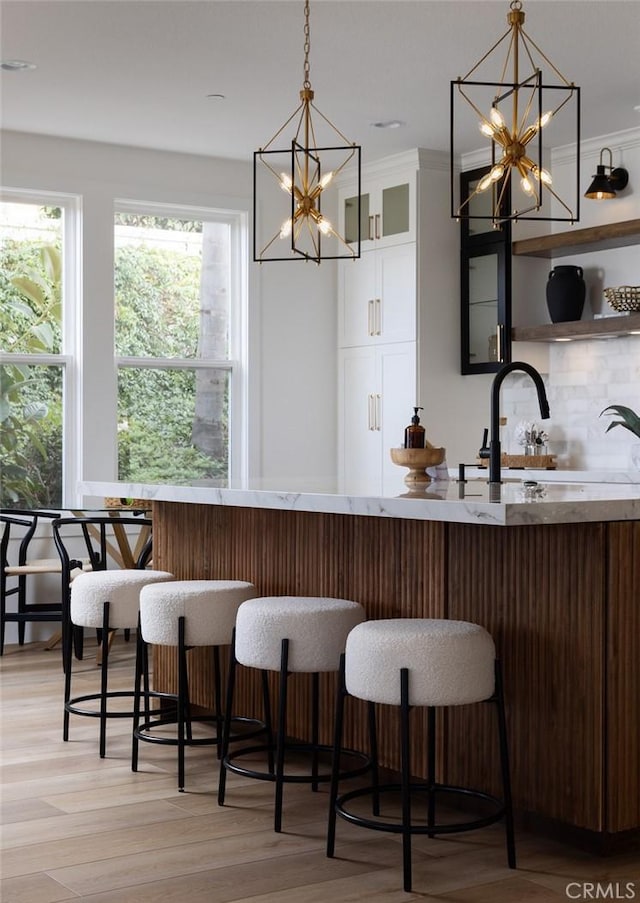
630,421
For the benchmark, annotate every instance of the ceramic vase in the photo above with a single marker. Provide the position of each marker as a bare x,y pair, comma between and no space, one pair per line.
565,294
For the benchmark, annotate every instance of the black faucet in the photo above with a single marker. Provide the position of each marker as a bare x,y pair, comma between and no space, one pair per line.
494,446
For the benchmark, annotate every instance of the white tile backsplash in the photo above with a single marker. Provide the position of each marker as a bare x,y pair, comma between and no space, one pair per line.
584,377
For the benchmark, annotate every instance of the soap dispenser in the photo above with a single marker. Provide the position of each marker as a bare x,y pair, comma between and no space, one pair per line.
414,434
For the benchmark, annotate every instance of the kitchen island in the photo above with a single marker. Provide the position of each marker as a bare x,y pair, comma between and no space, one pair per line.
551,570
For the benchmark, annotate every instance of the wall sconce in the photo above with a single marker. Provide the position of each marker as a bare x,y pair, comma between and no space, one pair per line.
604,187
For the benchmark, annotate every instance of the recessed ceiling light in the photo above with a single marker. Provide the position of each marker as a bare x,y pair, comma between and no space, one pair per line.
217,96
387,124
562,340
16,65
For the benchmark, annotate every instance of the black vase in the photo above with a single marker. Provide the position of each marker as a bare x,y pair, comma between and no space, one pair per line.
565,294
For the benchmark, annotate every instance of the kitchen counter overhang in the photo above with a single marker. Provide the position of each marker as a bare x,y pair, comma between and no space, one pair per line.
511,503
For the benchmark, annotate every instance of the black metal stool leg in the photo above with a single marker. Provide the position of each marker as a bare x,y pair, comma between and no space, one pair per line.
315,736
266,705
136,698
67,655
373,753
103,680
281,734
183,714
226,728
217,700
504,764
405,767
335,766
431,767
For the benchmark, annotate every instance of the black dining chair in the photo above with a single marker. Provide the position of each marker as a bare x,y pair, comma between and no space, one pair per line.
19,527
88,542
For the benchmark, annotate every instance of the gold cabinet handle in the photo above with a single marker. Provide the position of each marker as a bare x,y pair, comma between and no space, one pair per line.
378,316
371,414
378,422
370,317
499,348
378,225
371,228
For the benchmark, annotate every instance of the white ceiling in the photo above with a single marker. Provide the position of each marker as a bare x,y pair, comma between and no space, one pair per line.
138,72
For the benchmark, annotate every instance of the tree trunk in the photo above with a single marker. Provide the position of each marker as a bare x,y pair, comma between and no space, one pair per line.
210,425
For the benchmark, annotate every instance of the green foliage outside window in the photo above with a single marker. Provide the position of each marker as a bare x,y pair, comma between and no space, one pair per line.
157,296
30,396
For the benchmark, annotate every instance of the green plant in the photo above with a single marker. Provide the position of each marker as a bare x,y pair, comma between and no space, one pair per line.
629,419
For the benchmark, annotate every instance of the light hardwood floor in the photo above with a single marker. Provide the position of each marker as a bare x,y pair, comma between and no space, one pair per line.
75,827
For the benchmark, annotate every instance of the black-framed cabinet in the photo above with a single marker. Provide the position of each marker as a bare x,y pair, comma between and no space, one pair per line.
485,280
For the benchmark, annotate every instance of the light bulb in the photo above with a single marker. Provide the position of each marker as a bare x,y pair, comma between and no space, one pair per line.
544,176
496,117
285,182
544,119
497,172
325,226
285,228
324,181
526,186
485,182
487,130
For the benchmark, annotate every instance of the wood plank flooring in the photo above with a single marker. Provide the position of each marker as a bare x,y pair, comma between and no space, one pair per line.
75,827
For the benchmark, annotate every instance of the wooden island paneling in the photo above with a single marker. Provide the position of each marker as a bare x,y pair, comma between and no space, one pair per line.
561,600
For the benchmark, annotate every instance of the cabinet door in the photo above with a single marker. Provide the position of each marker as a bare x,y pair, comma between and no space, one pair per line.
357,295
377,297
397,384
395,301
485,311
387,214
358,437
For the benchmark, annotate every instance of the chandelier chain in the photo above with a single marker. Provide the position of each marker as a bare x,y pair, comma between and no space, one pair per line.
307,45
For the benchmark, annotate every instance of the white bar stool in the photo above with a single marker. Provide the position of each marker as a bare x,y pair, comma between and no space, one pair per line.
184,614
426,662
288,634
105,600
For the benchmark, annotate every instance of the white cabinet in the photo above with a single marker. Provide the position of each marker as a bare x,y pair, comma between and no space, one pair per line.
377,387
377,297
387,210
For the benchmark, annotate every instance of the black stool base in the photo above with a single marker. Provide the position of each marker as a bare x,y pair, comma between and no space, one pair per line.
313,778
415,788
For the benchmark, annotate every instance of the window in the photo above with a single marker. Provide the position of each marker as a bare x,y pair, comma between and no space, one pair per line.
36,347
177,301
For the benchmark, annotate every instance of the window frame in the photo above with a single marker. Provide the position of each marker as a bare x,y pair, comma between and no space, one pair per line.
68,359
237,220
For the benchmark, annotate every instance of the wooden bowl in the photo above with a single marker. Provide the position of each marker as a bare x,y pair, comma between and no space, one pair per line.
417,460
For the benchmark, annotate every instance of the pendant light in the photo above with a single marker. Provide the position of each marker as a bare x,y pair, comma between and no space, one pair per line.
291,183
513,110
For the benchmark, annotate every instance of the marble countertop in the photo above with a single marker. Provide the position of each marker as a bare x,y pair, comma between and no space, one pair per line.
474,502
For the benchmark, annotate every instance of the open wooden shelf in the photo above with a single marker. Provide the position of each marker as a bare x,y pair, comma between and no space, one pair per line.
578,329
580,241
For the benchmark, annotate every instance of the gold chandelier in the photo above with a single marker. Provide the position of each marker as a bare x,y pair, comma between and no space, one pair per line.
289,224
512,112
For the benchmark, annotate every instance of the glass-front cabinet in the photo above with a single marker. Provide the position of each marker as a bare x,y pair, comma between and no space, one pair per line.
387,213
485,283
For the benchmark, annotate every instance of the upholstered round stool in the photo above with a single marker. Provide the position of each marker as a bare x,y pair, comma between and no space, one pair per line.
184,614
289,634
105,600
411,662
